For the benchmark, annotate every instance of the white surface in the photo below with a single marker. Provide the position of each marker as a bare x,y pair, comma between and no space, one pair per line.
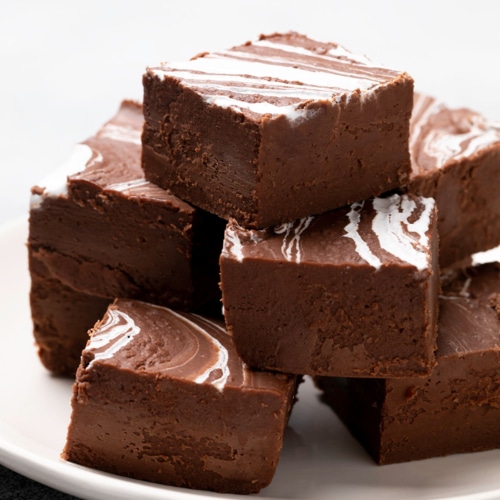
320,460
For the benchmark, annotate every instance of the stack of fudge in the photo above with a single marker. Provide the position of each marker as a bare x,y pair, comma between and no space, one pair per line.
329,208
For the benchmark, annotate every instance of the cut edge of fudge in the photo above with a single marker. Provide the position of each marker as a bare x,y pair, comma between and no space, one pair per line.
162,396
224,140
455,156
102,186
457,408
101,231
57,308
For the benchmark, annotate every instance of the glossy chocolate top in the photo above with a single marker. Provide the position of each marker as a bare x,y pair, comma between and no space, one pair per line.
157,341
377,232
470,310
109,161
279,74
440,136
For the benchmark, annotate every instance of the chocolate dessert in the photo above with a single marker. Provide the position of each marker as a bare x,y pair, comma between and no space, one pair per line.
163,396
456,160
457,408
276,129
352,292
99,228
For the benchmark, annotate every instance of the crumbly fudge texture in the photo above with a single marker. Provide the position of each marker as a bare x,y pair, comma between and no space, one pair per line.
276,129
456,159
457,408
102,230
163,396
352,292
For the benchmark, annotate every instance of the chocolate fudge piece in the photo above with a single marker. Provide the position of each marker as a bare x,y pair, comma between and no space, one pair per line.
102,230
162,396
456,159
352,292
456,409
277,129
61,318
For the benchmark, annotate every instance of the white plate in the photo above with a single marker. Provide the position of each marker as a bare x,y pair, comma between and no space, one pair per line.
320,460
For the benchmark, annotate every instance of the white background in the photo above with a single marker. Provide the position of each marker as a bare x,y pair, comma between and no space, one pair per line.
66,65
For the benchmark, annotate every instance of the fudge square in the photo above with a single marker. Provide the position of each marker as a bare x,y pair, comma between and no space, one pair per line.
456,159
457,408
276,129
98,227
352,292
163,396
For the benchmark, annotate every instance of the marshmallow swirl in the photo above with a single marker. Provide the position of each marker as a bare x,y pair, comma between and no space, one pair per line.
278,75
